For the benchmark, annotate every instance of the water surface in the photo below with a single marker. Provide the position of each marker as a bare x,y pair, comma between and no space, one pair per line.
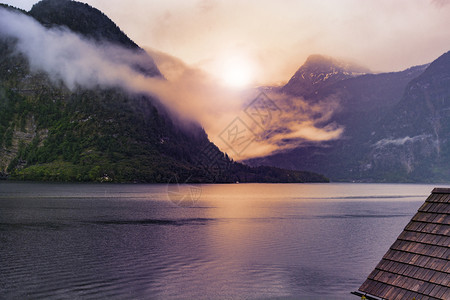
242,241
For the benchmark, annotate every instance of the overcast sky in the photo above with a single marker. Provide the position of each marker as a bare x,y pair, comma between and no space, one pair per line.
275,37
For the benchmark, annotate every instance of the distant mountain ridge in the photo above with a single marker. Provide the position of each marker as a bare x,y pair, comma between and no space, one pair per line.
395,126
49,132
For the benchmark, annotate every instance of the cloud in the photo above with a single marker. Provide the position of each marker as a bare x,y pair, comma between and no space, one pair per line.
400,141
293,123
206,6
78,61
384,34
189,93
440,3
68,57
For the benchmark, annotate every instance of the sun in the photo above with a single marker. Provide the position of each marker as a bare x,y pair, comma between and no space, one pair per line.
237,72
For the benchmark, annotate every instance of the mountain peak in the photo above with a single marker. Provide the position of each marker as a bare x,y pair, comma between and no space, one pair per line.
319,59
90,22
81,18
319,71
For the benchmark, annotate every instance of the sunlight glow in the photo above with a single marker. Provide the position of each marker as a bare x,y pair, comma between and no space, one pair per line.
237,72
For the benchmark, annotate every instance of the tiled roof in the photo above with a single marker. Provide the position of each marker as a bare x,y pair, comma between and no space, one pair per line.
418,263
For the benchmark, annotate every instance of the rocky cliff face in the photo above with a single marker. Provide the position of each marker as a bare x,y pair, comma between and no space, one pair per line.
414,137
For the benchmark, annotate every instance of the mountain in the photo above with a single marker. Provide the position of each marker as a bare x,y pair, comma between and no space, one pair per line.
395,126
414,138
51,132
319,72
89,22
81,18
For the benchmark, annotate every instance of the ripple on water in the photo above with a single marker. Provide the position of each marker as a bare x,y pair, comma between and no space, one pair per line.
126,247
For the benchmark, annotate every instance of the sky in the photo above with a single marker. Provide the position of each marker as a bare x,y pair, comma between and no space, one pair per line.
214,53
263,42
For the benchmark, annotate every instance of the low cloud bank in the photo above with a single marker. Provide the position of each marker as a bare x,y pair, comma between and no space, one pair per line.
189,93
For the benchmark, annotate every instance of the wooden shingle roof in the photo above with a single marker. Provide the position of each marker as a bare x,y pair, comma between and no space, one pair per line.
418,263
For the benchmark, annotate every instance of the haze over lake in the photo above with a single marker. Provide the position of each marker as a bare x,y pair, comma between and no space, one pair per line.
252,241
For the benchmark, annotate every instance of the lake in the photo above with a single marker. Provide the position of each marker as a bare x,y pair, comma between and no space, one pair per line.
236,241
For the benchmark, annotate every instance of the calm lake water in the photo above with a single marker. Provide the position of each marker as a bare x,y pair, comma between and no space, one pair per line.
242,241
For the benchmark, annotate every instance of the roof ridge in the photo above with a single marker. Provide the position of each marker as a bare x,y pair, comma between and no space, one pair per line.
441,190
416,264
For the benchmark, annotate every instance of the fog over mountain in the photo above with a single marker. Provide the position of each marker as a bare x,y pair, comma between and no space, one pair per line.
81,101
393,124
333,116
88,61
